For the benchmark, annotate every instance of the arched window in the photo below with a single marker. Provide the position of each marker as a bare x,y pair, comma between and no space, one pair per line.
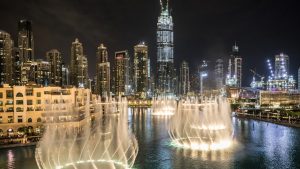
39,120
29,120
19,95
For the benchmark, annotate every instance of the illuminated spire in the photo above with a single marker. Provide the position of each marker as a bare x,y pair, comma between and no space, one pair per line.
164,8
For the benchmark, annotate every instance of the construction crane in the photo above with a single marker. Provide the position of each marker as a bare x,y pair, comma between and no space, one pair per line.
256,74
254,83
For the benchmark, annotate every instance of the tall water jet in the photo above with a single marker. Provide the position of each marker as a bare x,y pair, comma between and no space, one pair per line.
98,141
204,125
163,106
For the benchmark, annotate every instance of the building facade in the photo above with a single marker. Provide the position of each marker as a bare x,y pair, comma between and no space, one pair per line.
165,53
32,105
78,66
299,79
234,75
122,72
141,70
281,80
103,72
25,41
17,65
35,72
219,74
279,99
55,59
281,66
65,77
6,44
184,79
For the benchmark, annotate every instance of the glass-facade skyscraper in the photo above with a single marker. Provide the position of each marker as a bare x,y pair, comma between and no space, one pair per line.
54,58
234,75
184,79
141,70
121,72
5,58
165,60
79,66
25,40
281,66
103,72
299,79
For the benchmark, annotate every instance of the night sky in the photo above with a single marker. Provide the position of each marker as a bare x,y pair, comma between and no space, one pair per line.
203,29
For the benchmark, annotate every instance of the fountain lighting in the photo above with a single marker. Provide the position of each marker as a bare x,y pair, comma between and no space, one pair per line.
223,144
204,126
209,127
163,106
98,141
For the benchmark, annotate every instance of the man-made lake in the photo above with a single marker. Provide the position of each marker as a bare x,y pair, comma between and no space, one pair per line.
256,145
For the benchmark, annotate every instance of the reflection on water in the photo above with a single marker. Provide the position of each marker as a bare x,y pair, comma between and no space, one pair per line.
257,145
17,158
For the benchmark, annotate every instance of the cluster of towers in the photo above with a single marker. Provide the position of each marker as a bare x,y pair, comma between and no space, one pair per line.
127,76
124,76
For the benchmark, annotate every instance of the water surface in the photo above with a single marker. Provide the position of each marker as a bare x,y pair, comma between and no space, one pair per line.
256,145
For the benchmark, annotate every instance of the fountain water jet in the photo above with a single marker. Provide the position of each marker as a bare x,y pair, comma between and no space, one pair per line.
162,106
98,141
202,126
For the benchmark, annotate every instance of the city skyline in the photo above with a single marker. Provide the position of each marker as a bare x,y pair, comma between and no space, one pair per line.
202,35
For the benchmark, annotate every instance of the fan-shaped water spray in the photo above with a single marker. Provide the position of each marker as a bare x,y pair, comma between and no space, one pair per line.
163,106
202,126
101,140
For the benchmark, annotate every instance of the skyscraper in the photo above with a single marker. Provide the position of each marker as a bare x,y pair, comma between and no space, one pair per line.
42,72
65,75
5,58
121,71
281,66
17,65
78,66
37,72
141,70
25,41
54,58
219,74
299,79
184,79
165,62
103,72
234,76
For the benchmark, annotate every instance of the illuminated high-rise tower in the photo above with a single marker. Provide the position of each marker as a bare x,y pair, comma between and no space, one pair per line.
25,41
141,70
219,74
5,58
103,72
165,63
234,76
281,66
54,58
78,66
299,79
184,79
121,72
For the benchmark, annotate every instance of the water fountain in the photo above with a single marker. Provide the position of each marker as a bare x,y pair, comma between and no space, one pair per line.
101,140
162,106
204,125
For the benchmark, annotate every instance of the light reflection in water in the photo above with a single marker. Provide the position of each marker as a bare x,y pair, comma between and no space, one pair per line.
10,159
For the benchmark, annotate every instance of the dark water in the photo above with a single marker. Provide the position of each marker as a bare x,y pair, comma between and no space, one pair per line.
257,145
